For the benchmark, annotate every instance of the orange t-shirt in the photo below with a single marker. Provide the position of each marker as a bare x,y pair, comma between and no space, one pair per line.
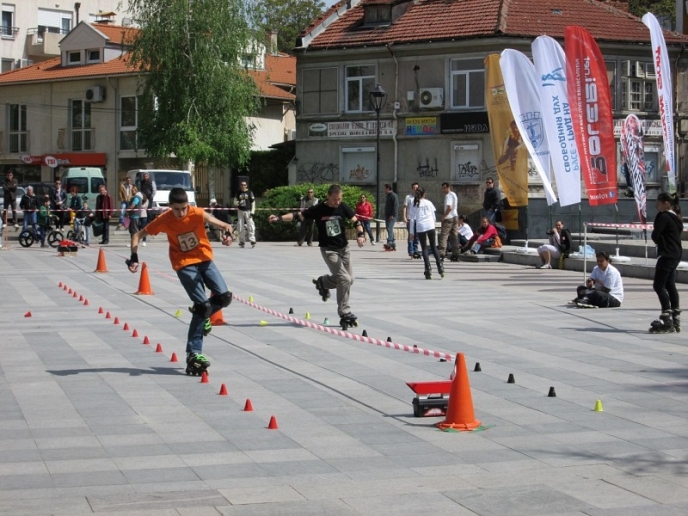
188,240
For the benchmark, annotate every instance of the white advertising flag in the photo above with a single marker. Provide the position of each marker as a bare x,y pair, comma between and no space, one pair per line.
550,65
664,95
521,84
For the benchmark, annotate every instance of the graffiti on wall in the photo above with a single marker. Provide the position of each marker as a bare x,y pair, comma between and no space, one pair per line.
467,171
317,172
427,170
358,173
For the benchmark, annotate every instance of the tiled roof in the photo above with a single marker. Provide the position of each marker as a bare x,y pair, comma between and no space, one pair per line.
52,70
446,20
280,70
116,33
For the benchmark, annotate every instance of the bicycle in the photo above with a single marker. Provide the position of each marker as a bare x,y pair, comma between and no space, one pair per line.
28,236
77,234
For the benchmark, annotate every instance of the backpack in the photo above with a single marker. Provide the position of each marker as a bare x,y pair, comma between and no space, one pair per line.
501,231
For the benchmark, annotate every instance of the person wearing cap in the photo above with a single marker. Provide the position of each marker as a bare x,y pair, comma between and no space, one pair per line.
306,229
220,214
246,204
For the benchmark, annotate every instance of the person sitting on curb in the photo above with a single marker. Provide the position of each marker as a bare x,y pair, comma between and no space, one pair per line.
485,237
604,287
559,244
465,231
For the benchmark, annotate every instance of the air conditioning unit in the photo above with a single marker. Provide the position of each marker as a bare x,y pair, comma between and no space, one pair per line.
95,94
431,98
640,70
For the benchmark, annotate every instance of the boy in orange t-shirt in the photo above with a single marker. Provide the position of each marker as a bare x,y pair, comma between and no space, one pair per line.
192,259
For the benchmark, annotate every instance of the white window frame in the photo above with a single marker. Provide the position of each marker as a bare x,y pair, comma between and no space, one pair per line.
466,73
360,80
72,53
20,134
462,170
635,93
89,59
129,128
368,176
86,130
8,32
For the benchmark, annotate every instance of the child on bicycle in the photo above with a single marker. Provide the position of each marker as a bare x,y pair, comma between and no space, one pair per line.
43,220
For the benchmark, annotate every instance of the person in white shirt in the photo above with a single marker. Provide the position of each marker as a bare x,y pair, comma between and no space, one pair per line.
604,287
408,203
450,223
422,226
465,231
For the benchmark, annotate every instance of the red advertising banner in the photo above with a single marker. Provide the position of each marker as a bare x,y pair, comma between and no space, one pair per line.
75,159
590,102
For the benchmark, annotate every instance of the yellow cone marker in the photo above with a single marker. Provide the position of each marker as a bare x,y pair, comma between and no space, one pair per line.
263,323
250,299
598,406
178,313
308,315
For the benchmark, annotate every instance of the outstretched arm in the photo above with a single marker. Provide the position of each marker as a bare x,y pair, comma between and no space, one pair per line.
226,226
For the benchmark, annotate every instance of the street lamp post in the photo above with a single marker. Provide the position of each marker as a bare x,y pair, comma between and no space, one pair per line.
377,99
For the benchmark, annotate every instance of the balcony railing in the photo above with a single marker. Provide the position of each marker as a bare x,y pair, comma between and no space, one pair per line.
9,32
19,142
83,139
37,33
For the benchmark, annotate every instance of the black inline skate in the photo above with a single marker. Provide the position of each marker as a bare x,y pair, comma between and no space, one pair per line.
347,321
196,364
428,274
207,328
389,247
324,293
665,323
416,255
677,319
441,271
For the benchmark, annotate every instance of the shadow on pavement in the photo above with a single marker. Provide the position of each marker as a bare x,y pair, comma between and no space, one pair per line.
126,370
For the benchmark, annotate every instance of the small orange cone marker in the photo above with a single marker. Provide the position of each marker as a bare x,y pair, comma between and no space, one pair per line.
223,390
272,425
107,315
135,333
60,285
27,314
116,320
101,267
145,340
217,320
158,348
100,310
85,302
460,415
126,327
75,294
64,287
81,299
204,378
144,282
174,358
248,407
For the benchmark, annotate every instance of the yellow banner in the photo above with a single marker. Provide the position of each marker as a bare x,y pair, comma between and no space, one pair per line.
511,156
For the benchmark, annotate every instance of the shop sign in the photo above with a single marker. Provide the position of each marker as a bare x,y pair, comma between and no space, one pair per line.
71,159
30,160
355,129
464,123
422,126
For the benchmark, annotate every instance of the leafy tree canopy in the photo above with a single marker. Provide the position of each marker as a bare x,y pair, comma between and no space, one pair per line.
198,94
288,17
660,8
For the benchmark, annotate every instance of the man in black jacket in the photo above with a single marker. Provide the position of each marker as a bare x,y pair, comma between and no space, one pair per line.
391,214
490,200
10,196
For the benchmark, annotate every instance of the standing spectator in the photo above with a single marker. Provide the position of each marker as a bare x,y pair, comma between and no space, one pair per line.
484,237
245,202
10,197
604,287
104,210
29,205
331,216
364,213
465,231
666,235
43,219
221,215
559,245
490,200
391,214
85,217
306,229
58,204
149,190
450,223
408,203
126,193
422,215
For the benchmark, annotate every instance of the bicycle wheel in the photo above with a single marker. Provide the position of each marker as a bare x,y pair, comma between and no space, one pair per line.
71,235
54,238
26,238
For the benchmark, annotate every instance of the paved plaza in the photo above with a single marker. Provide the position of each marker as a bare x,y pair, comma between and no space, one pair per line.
94,421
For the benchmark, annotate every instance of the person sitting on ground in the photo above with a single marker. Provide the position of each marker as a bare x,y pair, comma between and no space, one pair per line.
559,244
604,287
485,237
465,231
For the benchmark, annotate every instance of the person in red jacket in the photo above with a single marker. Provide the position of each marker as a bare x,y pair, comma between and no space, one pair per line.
484,237
364,213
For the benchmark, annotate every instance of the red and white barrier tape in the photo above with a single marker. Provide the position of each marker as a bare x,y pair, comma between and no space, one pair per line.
621,226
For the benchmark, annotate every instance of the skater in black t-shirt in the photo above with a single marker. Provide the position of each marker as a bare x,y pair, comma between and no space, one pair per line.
330,217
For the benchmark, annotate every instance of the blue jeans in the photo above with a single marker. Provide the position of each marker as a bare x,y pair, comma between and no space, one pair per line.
366,228
491,215
123,209
194,279
390,231
29,220
412,244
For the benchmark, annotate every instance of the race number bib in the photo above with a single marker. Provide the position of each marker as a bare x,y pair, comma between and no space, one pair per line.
332,227
187,241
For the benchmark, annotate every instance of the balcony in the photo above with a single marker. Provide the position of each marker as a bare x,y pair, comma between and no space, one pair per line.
44,42
8,32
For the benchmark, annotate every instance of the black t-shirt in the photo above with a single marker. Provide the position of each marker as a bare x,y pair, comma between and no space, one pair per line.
331,223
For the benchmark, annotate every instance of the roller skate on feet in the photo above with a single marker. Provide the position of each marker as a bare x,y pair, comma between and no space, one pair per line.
428,274
665,324
676,314
347,321
207,327
416,255
440,270
389,247
196,364
324,293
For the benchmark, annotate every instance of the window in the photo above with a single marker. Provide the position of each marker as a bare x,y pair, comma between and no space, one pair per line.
128,123
611,79
53,21
82,137
17,125
7,65
319,91
360,81
93,56
377,14
467,83
638,86
248,61
8,28
74,57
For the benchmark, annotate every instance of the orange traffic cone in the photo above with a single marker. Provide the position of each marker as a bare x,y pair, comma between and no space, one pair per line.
146,340
272,425
158,348
27,314
204,378
100,310
460,415
223,390
249,406
81,299
101,267
216,319
85,302
116,320
144,282
134,333
126,327
174,358
60,285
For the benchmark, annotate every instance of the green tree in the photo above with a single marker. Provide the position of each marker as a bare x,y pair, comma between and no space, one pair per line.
288,17
197,92
662,9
